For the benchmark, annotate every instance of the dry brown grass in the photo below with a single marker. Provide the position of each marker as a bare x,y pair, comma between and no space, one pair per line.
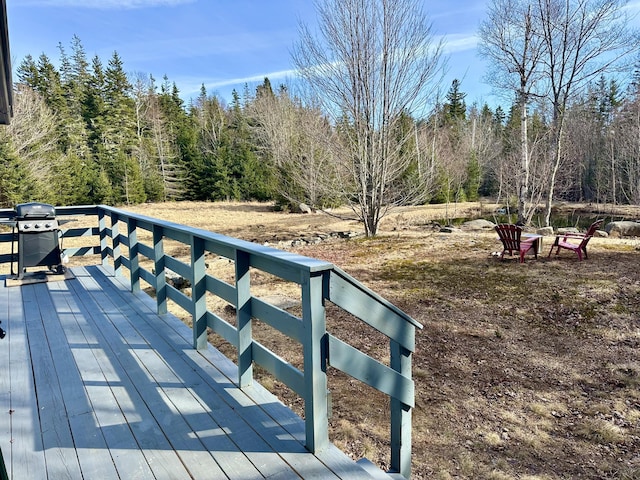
527,371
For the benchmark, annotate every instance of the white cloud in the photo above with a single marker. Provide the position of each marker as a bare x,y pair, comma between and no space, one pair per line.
460,42
103,4
633,10
635,5
251,79
190,87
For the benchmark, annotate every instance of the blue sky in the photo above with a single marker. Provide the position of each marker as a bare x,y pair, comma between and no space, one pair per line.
223,44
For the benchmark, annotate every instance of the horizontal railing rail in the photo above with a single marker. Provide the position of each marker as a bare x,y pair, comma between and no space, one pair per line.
318,281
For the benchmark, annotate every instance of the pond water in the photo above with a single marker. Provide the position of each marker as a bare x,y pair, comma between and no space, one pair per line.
580,220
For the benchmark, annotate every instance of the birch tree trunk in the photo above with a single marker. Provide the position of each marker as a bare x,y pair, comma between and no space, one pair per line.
510,41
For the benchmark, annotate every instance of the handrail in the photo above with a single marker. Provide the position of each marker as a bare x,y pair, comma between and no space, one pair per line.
319,281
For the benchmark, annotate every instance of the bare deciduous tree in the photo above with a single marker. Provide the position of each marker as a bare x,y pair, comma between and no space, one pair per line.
627,133
33,136
554,48
33,129
510,40
371,62
166,153
299,140
583,39
154,150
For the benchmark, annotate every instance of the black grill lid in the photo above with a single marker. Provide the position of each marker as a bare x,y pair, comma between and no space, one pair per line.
35,210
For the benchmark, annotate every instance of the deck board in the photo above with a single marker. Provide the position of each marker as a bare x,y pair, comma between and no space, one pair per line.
26,456
62,459
99,386
96,372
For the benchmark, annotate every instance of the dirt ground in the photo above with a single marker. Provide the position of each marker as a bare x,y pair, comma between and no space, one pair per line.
522,371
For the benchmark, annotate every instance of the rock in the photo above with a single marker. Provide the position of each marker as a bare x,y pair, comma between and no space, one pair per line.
348,234
281,301
304,208
175,280
546,231
479,224
568,230
600,234
623,229
449,230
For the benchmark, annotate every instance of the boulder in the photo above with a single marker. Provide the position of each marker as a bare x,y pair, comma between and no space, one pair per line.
281,301
479,224
623,229
545,231
175,280
304,208
563,230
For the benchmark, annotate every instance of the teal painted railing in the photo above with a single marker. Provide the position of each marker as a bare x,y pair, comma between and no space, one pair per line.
318,281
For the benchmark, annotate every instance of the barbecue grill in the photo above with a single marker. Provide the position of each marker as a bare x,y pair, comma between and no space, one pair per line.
38,238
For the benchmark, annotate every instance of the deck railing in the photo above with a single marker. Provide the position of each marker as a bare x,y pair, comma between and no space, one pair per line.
318,281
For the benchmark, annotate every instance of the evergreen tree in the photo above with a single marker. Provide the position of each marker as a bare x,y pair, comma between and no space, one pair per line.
73,76
43,78
79,64
94,105
100,189
28,73
499,116
609,98
119,137
264,89
455,109
486,115
474,178
72,180
14,179
243,164
181,129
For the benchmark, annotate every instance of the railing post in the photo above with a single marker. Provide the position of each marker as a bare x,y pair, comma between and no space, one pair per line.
158,260
315,366
198,293
134,260
400,415
104,246
243,319
115,242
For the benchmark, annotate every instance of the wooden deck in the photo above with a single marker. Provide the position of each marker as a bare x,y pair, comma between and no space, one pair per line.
96,385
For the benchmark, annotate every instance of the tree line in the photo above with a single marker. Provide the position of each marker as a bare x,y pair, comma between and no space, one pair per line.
86,132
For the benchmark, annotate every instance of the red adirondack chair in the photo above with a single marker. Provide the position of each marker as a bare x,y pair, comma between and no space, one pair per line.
510,235
580,241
